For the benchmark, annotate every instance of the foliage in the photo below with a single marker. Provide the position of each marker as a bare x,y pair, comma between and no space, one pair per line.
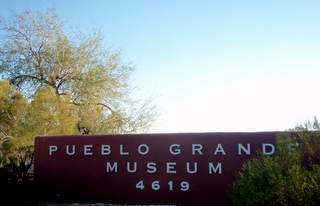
55,115
12,107
38,54
16,177
310,141
53,83
291,177
5,145
19,164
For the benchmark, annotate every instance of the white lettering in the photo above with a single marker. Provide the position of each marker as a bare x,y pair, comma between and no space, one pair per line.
195,168
171,167
122,152
293,147
105,149
87,149
264,149
215,169
151,167
52,148
112,168
219,149
197,148
246,149
134,167
175,149
73,150
143,151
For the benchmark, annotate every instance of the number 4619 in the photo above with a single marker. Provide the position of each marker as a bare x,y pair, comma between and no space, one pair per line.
155,185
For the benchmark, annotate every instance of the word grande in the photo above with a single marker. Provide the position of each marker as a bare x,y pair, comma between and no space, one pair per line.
184,169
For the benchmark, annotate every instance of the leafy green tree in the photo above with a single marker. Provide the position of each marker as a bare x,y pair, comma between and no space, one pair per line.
49,114
38,53
19,164
290,177
16,155
53,83
12,108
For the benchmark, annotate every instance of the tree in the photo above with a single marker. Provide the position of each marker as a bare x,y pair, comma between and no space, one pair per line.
290,177
13,156
12,109
53,83
37,53
54,115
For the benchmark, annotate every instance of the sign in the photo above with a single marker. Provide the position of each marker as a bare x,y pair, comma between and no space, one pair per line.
185,169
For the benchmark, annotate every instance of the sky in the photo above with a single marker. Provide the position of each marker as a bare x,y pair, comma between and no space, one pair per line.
209,66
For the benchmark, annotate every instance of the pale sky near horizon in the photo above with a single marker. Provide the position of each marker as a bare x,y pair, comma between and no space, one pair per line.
210,66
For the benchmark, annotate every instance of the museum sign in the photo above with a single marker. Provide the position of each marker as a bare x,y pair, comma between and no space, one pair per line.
183,169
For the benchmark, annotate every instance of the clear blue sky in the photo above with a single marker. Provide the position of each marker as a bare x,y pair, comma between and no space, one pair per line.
210,65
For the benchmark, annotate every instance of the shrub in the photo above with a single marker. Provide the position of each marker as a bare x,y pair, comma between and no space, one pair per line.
290,177
20,164
16,178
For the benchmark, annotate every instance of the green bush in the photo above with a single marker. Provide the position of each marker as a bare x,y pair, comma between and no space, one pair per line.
16,161
20,164
16,178
290,177
5,146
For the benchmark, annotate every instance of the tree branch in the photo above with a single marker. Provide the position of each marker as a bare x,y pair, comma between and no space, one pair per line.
22,77
106,106
101,104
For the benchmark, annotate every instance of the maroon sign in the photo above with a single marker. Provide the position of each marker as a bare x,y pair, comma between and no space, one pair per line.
187,169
